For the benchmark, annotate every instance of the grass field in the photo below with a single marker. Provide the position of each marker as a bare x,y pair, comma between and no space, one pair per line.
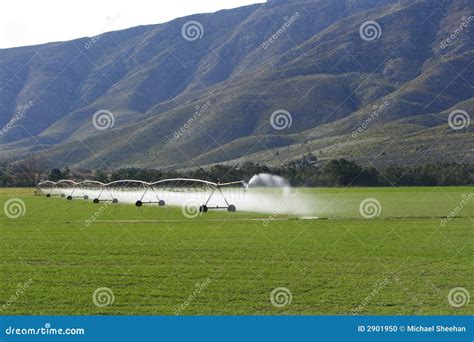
152,259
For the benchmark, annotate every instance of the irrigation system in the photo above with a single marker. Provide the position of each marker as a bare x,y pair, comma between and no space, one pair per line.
140,192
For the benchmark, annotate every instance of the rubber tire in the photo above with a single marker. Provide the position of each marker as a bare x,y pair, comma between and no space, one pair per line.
96,200
63,195
231,208
69,198
86,197
48,195
139,203
161,203
115,200
203,209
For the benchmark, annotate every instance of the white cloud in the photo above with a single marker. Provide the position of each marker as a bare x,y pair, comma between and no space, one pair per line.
28,22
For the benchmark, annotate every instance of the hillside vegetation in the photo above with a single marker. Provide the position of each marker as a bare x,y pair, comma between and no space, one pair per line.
177,102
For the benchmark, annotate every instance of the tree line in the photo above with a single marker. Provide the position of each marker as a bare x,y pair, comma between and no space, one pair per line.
306,171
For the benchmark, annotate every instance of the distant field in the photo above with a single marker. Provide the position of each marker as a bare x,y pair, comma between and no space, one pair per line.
403,261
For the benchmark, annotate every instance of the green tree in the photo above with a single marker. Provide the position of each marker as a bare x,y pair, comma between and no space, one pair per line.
341,172
55,175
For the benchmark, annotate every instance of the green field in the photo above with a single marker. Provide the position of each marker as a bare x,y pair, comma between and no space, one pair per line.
402,262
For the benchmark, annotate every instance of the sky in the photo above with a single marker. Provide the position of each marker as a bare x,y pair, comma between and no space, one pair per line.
30,22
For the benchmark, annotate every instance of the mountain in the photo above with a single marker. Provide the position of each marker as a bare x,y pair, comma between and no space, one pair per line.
376,81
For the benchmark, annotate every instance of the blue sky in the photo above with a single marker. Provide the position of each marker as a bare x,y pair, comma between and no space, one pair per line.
28,22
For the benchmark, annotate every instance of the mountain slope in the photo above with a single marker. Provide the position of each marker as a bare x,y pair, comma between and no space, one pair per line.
178,101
